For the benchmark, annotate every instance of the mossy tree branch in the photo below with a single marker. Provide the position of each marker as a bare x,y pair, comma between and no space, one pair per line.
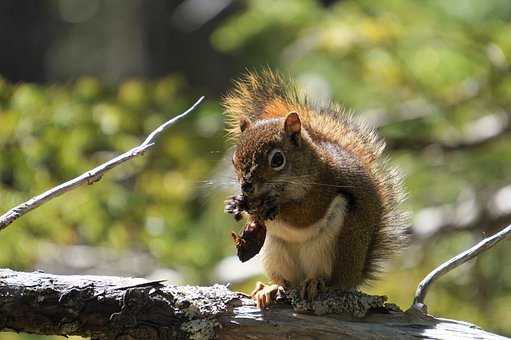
127,308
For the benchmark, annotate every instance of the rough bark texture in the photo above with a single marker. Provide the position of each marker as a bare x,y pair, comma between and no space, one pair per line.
127,308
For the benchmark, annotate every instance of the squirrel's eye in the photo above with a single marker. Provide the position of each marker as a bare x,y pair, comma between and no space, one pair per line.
277,159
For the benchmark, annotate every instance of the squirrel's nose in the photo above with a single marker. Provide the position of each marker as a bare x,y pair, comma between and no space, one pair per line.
247,187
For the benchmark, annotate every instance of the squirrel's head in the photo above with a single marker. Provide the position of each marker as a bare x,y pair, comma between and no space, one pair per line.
271,157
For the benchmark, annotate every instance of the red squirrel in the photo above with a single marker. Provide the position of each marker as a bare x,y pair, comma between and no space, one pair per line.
317,178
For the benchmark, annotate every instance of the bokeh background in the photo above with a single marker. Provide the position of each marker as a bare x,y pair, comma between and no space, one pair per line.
84,80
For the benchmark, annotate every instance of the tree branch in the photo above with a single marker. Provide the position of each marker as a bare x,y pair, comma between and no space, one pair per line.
127,308
487,243
480,133
90,176
485,215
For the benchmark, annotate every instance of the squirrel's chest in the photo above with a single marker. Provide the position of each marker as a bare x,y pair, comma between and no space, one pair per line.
296,254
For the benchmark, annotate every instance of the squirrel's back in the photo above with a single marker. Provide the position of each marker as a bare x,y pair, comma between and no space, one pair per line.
268,95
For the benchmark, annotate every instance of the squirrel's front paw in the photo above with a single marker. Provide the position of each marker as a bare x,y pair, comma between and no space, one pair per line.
269,208
235,205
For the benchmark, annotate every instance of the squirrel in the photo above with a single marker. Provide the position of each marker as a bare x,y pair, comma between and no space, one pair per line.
328,197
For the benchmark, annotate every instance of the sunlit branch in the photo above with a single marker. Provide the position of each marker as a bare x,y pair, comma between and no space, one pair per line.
487,243
108,307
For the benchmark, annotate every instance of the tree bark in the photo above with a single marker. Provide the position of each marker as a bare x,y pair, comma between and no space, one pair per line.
103,307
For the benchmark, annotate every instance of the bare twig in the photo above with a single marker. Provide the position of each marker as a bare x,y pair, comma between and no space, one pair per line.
422,289
90,176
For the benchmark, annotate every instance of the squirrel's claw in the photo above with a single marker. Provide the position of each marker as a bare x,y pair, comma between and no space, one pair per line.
311,288
265,209
264,294
235,205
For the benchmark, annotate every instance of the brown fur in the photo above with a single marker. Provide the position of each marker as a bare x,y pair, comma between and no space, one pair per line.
336,156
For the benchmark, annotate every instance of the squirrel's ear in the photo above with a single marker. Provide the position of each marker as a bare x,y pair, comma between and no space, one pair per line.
244,123
293,125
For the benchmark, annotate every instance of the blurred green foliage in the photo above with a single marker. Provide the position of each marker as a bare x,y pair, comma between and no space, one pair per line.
155,203
431,68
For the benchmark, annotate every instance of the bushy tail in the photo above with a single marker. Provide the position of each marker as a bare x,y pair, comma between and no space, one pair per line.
390,235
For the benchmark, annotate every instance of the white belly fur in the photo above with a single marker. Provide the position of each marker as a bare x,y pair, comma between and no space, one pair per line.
295,255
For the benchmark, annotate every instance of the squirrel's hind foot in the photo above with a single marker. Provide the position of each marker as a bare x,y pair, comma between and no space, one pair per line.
311,288
264,294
